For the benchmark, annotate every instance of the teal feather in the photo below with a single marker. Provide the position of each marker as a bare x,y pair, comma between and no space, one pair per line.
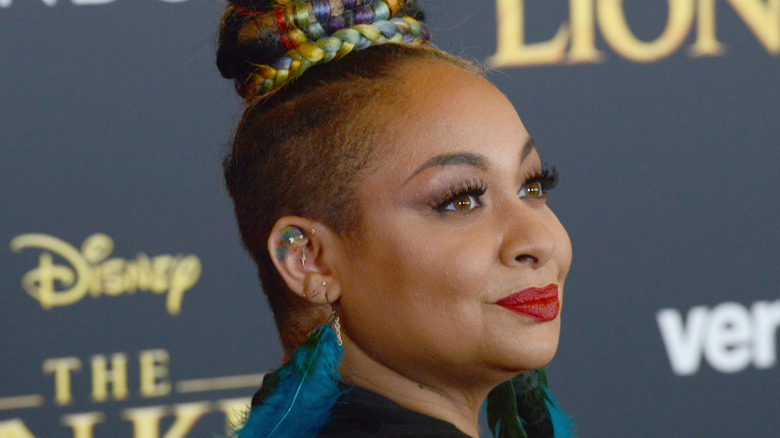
562,424
523,407
296,400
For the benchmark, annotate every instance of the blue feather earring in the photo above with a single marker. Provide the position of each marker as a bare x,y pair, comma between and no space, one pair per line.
523,407
296,399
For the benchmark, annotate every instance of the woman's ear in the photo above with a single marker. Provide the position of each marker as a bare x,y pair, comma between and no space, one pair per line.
302,251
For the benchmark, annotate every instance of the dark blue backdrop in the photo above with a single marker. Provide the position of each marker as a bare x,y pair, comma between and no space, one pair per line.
113,120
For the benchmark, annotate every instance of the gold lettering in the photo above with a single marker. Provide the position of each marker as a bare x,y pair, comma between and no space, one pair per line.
706,43
113,273
102,376
95,249
39,283
234,409
184,275
146,421
583,34
154,368
90,271
614,28
83,424
160,267
144,269
762,17
512,50
14,428
61,368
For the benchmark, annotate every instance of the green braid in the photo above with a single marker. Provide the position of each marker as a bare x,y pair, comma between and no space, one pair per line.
267,78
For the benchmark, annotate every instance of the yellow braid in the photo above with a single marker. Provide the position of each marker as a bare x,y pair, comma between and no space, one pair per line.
267,78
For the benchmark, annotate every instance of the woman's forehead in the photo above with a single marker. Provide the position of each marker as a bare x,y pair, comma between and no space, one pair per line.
451,114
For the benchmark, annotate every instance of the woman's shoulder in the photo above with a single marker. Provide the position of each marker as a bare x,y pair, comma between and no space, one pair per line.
362,413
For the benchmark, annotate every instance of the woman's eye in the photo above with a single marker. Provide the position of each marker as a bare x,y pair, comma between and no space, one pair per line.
462,203
461,198
532,189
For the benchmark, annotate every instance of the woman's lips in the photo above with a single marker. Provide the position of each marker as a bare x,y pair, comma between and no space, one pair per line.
540,304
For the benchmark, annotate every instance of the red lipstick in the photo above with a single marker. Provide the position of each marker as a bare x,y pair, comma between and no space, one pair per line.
540,304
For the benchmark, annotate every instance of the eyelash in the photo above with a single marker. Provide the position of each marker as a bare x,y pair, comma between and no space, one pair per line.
547,178
472,188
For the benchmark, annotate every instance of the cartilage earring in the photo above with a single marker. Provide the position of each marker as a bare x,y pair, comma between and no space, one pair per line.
292,235
291,239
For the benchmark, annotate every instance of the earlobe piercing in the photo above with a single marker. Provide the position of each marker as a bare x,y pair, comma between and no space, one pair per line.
310,291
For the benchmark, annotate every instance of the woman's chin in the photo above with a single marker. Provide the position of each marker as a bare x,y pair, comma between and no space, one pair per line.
529,356
539,359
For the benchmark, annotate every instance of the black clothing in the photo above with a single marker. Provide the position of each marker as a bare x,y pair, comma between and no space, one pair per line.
363,414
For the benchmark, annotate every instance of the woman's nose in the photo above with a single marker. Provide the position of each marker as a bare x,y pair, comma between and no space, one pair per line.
528,238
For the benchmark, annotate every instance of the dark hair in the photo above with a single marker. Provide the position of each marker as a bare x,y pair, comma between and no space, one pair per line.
301,150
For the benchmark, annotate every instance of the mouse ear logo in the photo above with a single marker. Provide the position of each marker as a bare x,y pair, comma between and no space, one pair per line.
90,272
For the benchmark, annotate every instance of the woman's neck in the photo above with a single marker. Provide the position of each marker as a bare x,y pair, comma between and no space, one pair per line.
456,404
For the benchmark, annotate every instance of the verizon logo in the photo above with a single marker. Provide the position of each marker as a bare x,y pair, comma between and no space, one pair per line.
730,337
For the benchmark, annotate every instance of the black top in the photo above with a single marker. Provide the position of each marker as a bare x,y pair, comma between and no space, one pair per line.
360,413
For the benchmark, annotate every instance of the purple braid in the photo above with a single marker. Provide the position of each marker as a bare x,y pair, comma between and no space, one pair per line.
266,43
322,10
363,15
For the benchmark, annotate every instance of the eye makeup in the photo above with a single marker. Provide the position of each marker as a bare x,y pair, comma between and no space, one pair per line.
471,190
538,183
467,195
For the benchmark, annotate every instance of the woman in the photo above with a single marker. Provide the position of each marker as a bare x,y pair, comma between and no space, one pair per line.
392,191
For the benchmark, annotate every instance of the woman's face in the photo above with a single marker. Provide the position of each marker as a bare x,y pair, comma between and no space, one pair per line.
453,222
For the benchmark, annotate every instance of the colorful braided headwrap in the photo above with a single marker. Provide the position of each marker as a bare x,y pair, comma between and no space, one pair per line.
277,41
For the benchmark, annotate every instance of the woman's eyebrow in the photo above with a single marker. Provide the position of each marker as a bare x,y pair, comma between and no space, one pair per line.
456,159
468,159
528,147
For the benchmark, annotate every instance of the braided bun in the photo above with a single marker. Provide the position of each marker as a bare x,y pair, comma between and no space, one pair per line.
263,44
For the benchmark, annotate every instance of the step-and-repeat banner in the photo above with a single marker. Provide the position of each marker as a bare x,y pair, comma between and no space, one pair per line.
130,310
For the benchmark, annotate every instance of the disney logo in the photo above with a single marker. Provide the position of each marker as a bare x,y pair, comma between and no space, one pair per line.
90,271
